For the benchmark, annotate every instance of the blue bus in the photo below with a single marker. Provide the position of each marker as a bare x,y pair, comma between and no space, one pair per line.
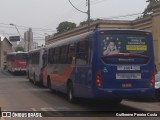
111,64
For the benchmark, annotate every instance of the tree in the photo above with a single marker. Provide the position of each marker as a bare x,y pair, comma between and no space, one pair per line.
19,49
85,22
148,10
65,26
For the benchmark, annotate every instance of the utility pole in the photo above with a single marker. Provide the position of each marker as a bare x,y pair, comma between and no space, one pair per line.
88,15
88,12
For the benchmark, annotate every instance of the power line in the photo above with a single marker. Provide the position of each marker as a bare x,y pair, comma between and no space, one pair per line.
124,16
87,12
38,33
68,14
76,7
93,2
26,27
73,13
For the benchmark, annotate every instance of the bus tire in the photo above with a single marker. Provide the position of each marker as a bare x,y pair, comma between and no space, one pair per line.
70,92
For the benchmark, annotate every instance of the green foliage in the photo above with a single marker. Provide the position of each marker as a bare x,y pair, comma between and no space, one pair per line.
148,10
85,22
65,26
19,49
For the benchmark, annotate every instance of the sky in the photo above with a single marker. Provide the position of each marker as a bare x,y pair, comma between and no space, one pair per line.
44,16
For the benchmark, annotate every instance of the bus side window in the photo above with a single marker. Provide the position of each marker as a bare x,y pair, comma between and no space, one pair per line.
71,54
82,53
51,56
37,58
64,52
28,58
31,58
44,57
57,55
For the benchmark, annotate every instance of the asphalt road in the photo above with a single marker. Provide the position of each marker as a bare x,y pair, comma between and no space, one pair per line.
18,94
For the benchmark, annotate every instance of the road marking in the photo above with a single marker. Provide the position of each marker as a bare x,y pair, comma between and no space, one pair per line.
43,109
33,109
48,109
63,108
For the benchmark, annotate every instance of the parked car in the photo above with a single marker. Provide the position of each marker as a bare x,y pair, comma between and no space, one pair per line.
157,86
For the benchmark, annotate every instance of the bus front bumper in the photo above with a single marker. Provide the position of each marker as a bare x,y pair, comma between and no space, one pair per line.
19,70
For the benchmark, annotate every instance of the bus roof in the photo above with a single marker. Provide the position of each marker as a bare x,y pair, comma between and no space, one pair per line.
35,50
70,39
17,52
85,35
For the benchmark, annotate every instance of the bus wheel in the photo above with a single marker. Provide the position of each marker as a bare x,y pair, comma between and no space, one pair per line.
71,97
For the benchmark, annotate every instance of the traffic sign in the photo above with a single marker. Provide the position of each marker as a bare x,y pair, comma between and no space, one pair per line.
14,38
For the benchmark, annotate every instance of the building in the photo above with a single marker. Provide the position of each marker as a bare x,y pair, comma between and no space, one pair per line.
5,47
149,23
35,45
28,40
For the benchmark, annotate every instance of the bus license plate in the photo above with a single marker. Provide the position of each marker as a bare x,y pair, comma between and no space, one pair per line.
128,67
126,85
128,76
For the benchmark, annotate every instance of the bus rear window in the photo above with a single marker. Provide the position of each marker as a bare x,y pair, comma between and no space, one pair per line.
124,43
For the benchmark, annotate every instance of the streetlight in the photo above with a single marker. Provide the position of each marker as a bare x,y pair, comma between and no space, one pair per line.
17,30
21,36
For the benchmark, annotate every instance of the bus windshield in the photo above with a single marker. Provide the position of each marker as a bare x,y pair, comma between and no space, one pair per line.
21,56
124,43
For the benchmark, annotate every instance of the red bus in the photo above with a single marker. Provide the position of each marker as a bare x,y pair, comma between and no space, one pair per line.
16,61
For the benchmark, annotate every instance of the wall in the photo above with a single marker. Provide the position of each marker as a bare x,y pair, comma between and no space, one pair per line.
5,47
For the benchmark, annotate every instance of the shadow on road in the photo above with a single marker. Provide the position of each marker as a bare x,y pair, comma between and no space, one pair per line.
88,104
